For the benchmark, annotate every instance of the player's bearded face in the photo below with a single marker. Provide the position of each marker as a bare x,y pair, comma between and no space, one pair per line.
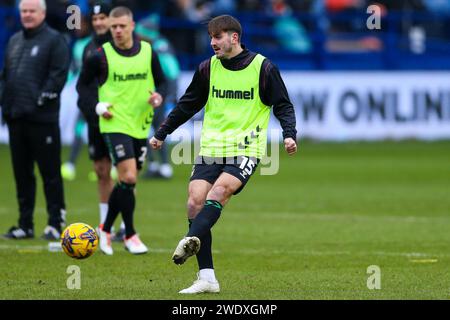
222,45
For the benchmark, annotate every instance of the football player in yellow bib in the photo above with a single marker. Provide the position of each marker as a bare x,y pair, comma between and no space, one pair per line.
129,76
237,88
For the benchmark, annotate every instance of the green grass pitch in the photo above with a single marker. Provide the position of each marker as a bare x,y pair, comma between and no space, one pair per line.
309,232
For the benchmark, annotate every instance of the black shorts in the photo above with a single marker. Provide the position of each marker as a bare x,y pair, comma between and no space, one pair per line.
122,147
209,169
97,146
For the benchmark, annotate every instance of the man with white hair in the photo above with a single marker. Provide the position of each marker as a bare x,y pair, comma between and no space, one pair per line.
35,70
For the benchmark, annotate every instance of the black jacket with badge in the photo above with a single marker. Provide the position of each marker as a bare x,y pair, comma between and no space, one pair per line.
35,71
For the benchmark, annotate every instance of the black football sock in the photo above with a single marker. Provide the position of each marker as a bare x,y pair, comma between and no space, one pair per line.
205,219
204,256
113,208
127,203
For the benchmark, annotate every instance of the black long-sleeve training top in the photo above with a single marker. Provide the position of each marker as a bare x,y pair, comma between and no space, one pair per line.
272,90
88,93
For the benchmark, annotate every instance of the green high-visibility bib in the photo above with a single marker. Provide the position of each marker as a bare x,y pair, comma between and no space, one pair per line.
236,120
127,88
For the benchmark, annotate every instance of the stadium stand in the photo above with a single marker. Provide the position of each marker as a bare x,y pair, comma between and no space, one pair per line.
297,35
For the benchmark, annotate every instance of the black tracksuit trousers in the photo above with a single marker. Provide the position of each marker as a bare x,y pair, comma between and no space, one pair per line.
32,142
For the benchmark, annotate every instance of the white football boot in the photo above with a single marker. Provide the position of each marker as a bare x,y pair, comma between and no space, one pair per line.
202,286
134,245
105,242
187,247
51,233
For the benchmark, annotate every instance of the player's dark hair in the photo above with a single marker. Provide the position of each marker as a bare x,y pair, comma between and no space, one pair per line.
121,11
224,23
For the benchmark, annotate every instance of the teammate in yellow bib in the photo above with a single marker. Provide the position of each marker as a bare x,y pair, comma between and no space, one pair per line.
237,88
128,84
128,74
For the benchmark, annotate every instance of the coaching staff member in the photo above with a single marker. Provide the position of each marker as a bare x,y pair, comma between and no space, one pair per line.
35,70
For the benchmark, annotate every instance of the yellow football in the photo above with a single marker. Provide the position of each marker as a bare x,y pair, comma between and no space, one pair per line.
79,240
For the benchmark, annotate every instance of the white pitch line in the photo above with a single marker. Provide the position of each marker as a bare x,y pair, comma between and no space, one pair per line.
26,247
267,252
331,253
338,216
